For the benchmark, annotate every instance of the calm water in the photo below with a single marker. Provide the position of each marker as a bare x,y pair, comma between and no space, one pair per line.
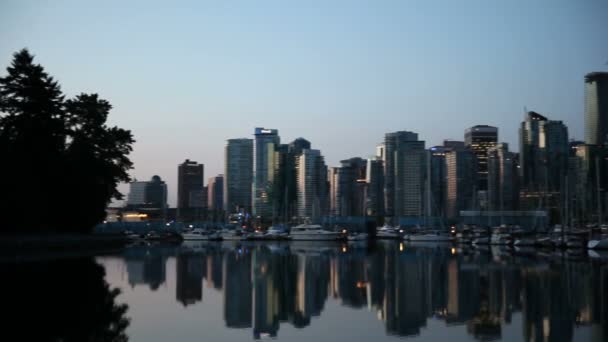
294,291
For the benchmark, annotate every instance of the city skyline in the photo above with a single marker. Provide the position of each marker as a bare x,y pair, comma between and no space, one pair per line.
186,87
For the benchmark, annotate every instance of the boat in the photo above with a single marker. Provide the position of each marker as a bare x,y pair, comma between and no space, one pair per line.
598,243
231,234
306,231
525,241
357,237
276,233
501,237
201,234
482,240
388,232
435,236
543,242
133,236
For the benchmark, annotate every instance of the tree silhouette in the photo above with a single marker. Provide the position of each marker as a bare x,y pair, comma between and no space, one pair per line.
62,300
61,162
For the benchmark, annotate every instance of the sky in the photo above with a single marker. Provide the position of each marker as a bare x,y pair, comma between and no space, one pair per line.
185,76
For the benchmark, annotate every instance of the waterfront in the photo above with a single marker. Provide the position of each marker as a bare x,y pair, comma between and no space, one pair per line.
300,291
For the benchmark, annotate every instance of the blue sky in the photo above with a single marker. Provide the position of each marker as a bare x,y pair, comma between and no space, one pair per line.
185,76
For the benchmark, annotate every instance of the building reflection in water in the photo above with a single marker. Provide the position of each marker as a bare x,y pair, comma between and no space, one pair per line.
265,285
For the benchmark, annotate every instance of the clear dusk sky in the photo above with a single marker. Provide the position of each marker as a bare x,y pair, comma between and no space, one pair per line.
185,76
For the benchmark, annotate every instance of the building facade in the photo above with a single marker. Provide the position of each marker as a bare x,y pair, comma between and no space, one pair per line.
312,185
480,139
394,143
215,193
596,108
238,175
264,171
462,172
410,179
503,184
191,195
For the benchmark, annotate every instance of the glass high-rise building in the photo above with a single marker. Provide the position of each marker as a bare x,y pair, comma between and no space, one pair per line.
503,190
238,175
480,139
393,143
596,108
312,185
462,173
264,171
190,183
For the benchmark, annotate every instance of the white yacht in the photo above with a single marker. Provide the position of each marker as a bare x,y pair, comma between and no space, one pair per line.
276,233
431,237
598,243
387,232
231,234
315,232
357,237
201,234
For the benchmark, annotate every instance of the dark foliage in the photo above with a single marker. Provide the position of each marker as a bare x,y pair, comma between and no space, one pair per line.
61,300
61,163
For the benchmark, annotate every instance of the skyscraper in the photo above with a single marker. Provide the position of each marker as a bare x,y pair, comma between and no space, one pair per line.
529,151
238,175
285,197
348,190
393,143
543,162
480,139
191,194
596,108
374,194
438,176
462,173
312,185
503,190
215,192
264,171
409,179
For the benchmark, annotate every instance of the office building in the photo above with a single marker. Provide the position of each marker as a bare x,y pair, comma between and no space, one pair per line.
480,139
462,172
238,175
149,198
190,177
215,193
596,108
264,171
137,193
503,185
374,194
393,144
312,185
437,176
409,179
348,188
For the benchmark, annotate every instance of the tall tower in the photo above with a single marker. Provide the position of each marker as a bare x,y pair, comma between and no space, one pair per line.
503,192
480,139
238,175
312,185
596,108
190,189
393,143
264,170
462,173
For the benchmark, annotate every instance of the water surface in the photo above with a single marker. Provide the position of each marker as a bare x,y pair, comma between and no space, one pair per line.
300,291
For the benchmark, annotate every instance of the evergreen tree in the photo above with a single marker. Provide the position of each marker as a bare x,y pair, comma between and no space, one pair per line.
61,163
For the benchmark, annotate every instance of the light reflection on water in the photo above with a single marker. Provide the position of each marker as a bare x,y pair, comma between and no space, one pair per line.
303,291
